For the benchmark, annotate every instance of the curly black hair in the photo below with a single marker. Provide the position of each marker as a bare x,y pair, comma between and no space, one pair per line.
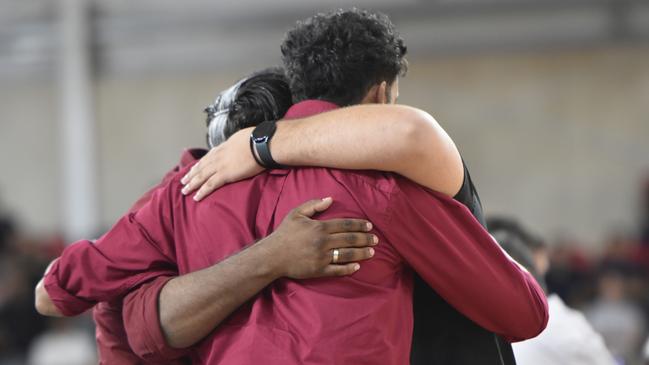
262,96
339,56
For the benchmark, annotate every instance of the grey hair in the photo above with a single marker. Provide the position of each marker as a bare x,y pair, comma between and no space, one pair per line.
217,115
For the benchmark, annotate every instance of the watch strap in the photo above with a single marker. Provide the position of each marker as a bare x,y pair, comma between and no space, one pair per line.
261,144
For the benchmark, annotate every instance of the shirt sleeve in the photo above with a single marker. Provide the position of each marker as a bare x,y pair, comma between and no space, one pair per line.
142,323
138,248
456,256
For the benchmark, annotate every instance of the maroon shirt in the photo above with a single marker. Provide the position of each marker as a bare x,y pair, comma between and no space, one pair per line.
110,333
365,318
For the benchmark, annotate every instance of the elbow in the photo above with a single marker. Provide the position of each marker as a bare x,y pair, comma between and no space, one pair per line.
536,325
530,325
412,133
169,333
174,336
540,320
413,122
427,145
43,303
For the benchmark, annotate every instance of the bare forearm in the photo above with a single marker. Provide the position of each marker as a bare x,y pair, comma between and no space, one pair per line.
348,138
192,305
393,138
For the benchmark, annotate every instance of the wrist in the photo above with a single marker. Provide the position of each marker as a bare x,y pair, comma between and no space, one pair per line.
269,264
260,140
284,143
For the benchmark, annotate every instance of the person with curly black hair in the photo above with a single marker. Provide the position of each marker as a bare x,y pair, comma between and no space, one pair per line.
346,57
349,57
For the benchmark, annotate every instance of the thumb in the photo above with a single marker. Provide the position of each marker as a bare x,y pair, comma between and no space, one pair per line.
314,206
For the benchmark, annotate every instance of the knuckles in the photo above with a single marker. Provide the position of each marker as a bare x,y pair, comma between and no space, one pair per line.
350,238
318,227
320,241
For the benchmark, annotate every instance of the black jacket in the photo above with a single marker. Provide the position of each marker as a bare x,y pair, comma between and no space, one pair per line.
442,335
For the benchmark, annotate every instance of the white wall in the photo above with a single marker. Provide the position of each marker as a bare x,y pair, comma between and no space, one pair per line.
559,139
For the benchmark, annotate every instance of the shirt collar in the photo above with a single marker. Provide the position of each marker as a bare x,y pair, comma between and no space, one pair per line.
308,108
190,156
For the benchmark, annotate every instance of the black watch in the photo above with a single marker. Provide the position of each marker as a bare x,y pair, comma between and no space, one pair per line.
260,142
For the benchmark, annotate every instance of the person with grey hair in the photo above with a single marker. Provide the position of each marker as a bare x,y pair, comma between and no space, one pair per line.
568,339
264,95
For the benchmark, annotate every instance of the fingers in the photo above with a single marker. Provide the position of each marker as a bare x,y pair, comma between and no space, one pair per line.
347,225
347,255
340,270
190,174
209,186
196,177
351,239
314,206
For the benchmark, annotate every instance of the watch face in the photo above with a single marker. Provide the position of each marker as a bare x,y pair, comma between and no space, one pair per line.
263,139
265,129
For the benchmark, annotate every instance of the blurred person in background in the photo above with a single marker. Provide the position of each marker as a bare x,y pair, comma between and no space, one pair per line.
613,314
645,214
19,270
568,339
381,92
570,275
62,344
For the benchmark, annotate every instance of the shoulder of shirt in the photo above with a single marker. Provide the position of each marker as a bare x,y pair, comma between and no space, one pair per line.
390,184
364,180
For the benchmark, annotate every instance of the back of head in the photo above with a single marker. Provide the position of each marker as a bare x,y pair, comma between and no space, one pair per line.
339,56
524,247
264,95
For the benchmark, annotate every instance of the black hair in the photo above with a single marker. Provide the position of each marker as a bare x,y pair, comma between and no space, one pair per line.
339,56
264,95
512,228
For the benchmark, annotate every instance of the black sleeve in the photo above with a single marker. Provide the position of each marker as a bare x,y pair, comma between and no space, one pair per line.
468,196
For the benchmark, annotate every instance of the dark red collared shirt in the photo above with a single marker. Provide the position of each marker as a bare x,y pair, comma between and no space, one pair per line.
112,344
365,318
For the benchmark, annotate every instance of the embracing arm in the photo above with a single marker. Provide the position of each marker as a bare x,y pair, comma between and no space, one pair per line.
440,239
165,315
138,248
394,138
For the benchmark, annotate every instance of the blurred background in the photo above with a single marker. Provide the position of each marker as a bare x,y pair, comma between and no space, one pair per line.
548,101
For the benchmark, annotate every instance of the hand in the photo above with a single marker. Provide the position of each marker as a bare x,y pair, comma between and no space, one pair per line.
302,248
43,303
228,162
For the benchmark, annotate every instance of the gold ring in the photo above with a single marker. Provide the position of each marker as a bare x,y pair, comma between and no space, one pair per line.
336,253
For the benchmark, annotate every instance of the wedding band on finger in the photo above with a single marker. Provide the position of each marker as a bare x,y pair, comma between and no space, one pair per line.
335,254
